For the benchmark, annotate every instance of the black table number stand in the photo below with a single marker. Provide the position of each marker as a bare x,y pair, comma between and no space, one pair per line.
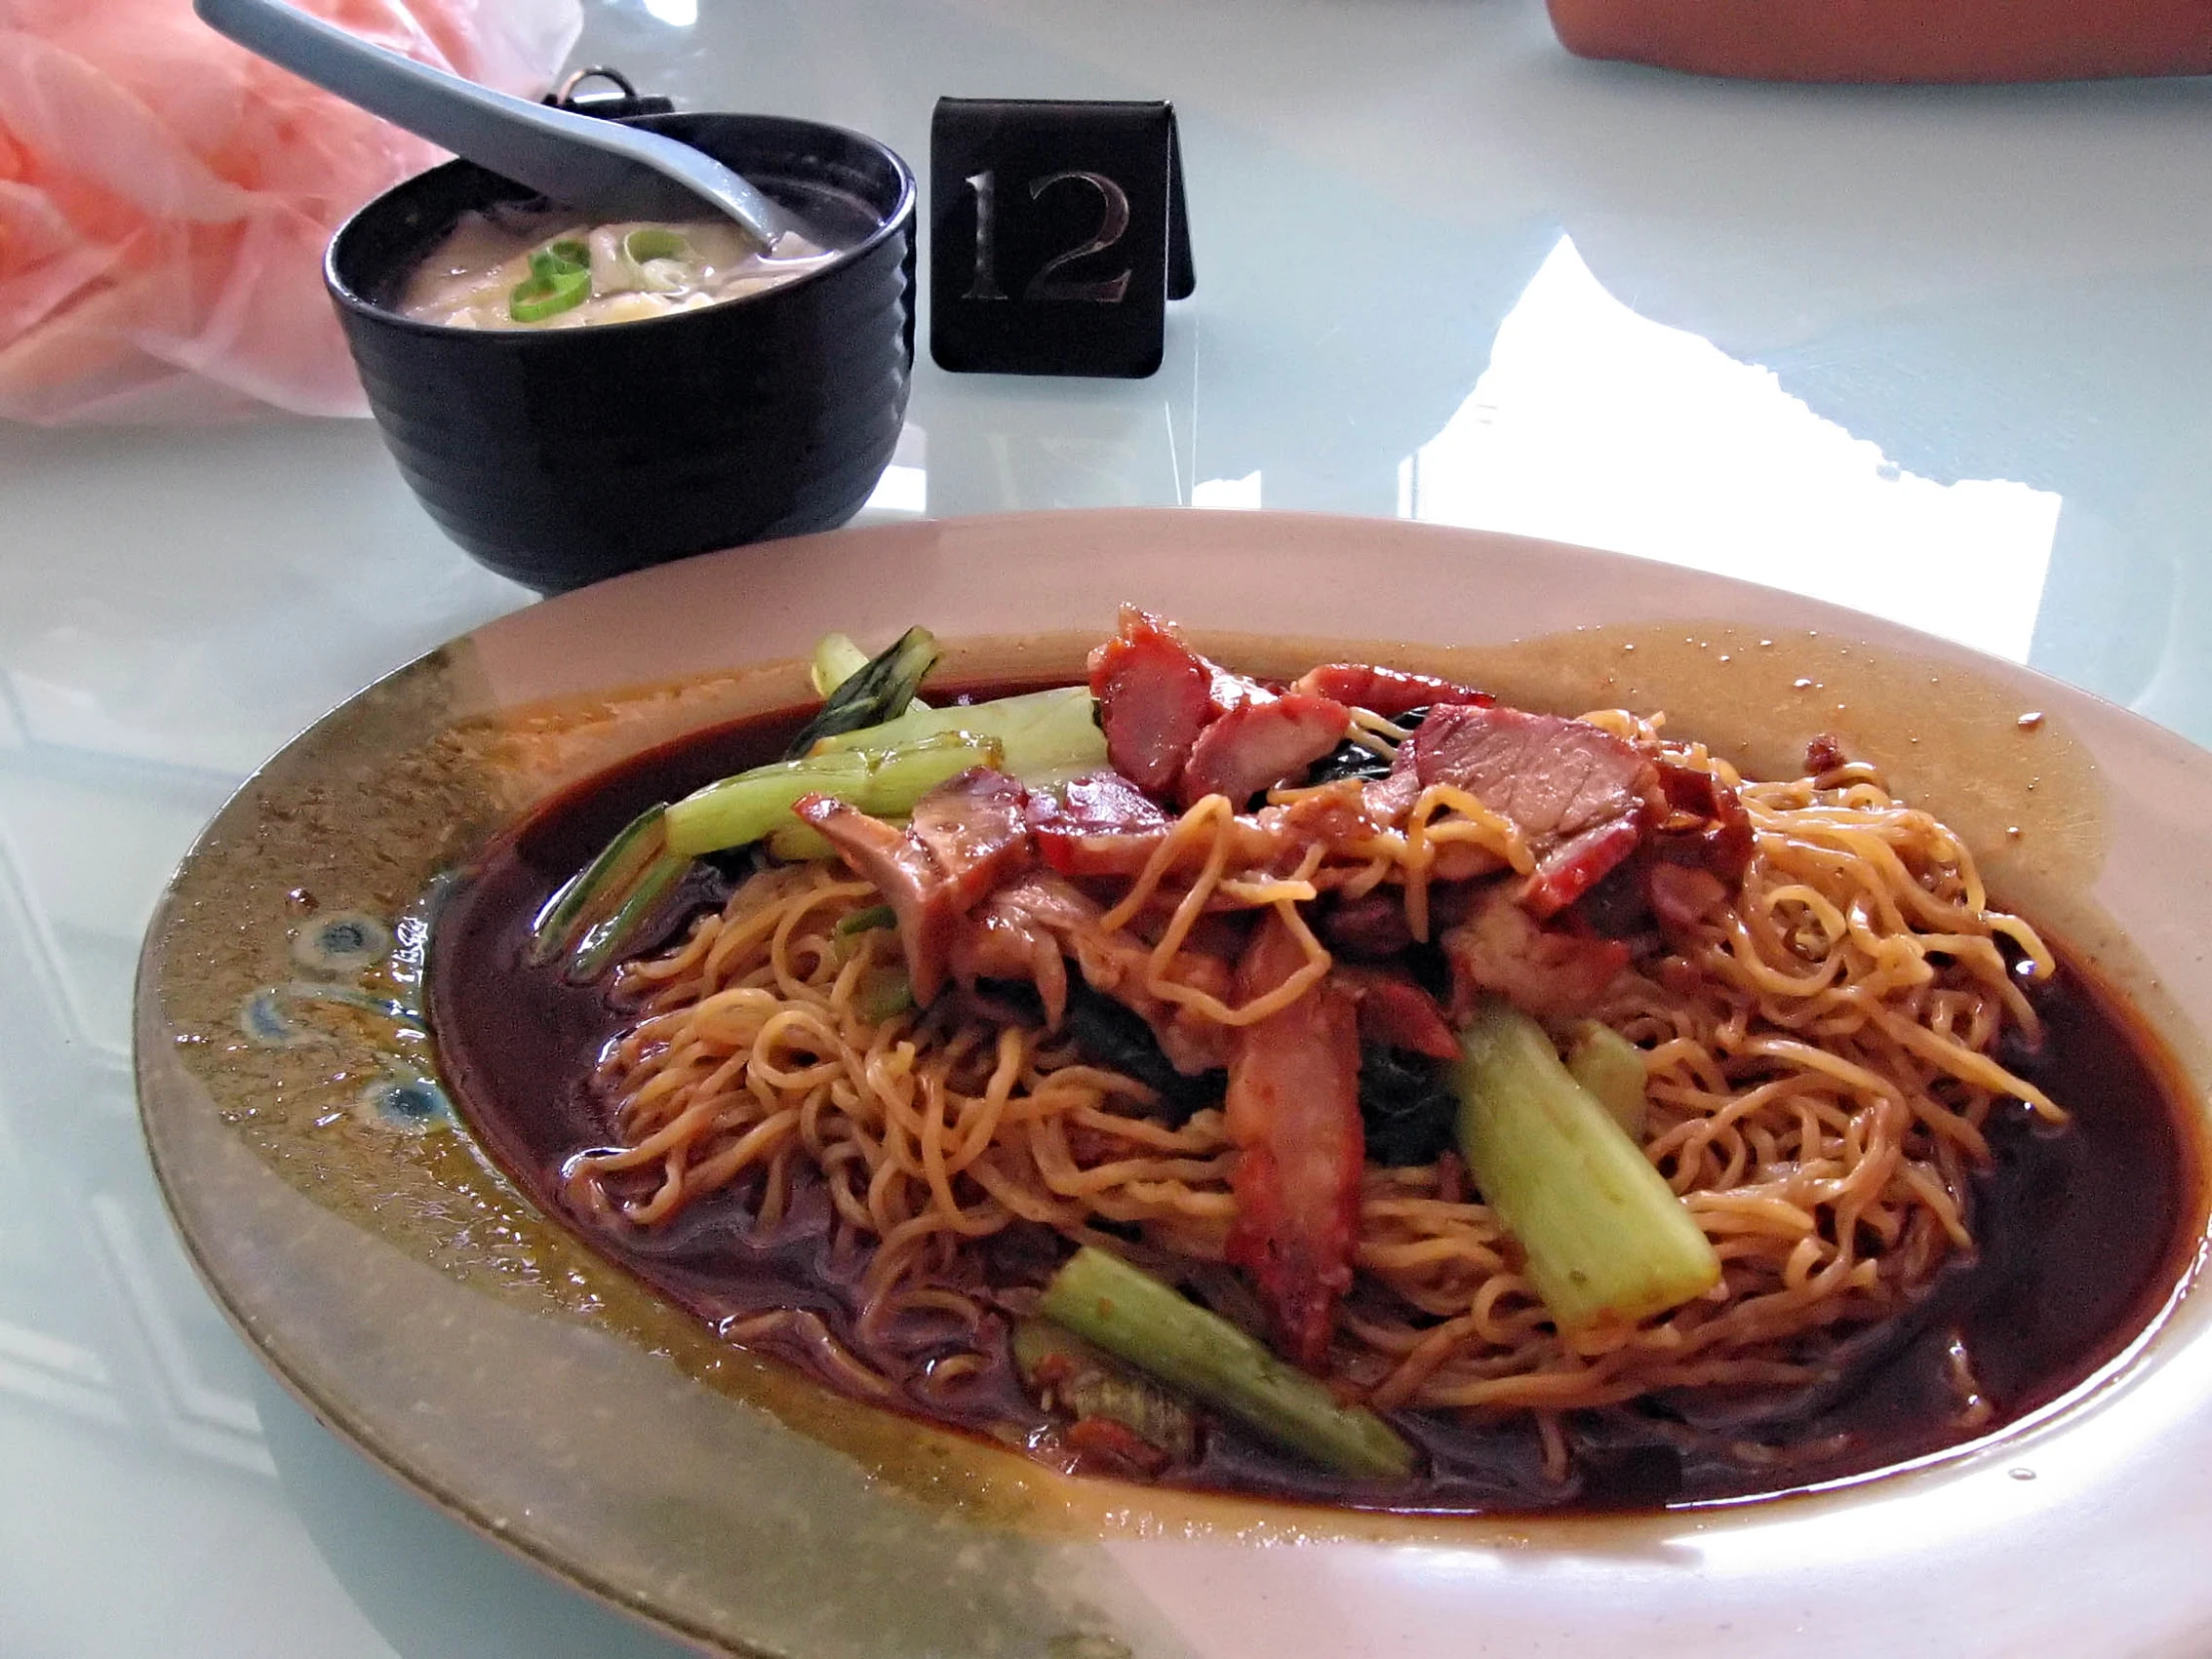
1057,235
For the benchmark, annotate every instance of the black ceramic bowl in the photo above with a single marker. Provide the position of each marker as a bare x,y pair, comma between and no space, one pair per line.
564,455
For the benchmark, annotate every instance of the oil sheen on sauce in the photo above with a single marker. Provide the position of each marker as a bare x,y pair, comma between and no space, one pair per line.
2081,1234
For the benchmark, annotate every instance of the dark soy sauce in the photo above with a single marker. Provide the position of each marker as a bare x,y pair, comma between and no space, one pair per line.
2082,1233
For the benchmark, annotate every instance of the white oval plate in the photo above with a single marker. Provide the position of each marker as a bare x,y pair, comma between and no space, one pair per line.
404,1289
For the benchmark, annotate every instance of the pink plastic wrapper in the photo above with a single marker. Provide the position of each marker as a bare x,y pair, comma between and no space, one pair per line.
165,198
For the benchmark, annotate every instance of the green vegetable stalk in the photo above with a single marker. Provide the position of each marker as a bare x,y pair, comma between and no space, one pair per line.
1066,1371
1611,1068
739,811
1048,736
1604,1236
1148,1324
599,887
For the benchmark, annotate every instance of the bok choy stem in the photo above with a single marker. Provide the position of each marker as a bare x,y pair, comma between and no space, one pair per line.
741,810
1605,1237
1151,1326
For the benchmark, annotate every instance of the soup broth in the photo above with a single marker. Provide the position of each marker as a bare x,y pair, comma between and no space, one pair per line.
511,268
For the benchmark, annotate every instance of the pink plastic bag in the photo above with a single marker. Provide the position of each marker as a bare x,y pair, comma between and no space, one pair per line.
165,198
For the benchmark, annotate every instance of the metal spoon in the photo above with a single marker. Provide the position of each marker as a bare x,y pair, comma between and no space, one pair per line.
596,167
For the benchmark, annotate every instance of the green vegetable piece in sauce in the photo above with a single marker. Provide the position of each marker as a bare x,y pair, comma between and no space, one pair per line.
605,943
599,888
1154,1328
1050,736
739,811
1068,1374
1605,1237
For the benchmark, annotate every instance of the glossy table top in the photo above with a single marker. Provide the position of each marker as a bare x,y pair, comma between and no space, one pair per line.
1942,355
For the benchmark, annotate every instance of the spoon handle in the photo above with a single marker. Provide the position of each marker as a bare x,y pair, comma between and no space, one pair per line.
593,166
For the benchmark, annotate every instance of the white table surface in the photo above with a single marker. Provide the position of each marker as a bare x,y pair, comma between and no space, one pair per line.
1940,354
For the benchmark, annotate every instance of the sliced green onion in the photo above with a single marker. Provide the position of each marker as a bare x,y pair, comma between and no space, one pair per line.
653,242
565,254
1148,1324
1605,1237
549,296
867,920
875,692
595,889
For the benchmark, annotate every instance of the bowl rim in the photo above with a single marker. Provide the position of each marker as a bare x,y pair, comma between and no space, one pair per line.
891,222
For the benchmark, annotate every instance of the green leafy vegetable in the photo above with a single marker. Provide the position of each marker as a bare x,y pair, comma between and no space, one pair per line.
605,942
1408,1105
876,692
1604,1236
836,660
1148,1324
1117,1037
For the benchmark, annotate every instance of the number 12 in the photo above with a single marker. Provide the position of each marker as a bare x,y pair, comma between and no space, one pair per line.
1113,224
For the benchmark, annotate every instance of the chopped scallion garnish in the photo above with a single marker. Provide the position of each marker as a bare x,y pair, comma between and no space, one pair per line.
559,281
654,242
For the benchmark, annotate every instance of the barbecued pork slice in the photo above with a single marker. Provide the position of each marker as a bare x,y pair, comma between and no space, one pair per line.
1572,868
1502,950
1155,695
966,837
976,827
1705,824
1260,743
1010,934
1293,1112
1097,825
1579,794
1395,1011
1388,691
1554,777
1174,717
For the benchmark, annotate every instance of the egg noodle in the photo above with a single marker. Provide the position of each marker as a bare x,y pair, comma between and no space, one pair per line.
1819,1053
